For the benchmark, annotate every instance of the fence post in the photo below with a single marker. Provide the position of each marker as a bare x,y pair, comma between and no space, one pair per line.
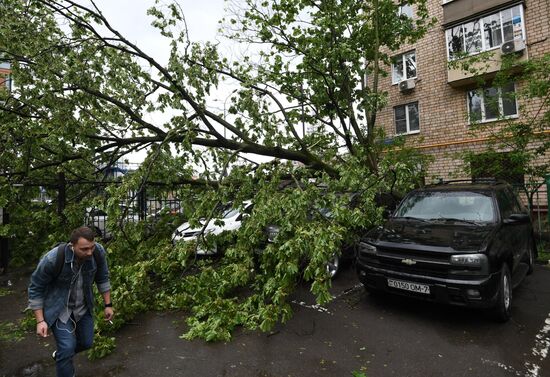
61,194
142,203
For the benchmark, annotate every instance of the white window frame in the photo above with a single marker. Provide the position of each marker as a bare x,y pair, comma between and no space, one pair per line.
407,121
404,61
500,106
480,19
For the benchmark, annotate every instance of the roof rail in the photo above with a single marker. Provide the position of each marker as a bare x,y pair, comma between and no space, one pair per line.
489,180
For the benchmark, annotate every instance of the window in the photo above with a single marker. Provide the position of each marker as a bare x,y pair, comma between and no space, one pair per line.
464,205
485,33
405,10
492,31
472,37
5,81
404,67
491,103
406,118
508,203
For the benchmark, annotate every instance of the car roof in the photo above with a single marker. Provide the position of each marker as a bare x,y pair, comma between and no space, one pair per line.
466,186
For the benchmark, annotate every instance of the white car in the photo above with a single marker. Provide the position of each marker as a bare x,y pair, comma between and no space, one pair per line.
231,219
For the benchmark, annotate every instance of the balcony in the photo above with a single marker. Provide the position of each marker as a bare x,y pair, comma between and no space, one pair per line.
488,30
458,10
456,77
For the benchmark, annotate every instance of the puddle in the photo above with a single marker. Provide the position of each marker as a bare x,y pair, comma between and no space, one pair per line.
33,370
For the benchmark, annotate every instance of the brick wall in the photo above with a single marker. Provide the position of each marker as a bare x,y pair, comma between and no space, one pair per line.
444,127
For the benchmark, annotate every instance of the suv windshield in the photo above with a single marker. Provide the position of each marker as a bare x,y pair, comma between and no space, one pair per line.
459,205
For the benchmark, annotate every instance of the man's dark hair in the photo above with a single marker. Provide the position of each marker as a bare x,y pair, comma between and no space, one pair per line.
82,232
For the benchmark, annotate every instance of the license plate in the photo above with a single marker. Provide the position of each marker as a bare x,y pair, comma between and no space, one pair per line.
409,286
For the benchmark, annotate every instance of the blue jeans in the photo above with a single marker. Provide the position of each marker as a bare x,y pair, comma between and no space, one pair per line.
71,338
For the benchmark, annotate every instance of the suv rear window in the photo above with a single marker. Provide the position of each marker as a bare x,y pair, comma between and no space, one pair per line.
463,205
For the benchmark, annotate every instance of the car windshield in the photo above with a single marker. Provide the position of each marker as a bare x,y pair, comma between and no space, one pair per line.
458,205
231,212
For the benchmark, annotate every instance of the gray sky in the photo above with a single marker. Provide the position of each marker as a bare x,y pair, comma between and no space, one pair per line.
202,16
130,17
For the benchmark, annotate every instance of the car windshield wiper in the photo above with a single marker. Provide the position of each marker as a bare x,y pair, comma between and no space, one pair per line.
412,218
452,219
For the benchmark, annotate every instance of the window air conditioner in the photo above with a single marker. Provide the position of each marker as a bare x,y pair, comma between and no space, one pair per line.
512,46
406,85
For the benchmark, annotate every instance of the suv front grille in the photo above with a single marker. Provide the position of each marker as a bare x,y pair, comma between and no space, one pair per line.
407,261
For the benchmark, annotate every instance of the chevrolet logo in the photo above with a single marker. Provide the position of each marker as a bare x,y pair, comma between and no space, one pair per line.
409,262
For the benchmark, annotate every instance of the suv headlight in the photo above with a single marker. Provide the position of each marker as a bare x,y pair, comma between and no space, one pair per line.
367,249
469,260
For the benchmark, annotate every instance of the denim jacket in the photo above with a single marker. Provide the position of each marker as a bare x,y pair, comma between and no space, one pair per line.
51,293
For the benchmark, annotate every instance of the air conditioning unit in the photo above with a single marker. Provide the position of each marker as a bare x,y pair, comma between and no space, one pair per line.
512,47
406,85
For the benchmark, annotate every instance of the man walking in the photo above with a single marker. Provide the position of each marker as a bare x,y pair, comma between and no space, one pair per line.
60,294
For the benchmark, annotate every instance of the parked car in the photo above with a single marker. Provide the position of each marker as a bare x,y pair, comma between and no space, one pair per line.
348,249
96,219
164,218
335,262
462,243
229,221
172,208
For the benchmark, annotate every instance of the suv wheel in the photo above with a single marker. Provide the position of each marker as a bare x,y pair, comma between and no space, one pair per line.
333,265
503,307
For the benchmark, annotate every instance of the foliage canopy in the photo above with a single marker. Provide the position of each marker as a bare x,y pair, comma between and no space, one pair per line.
85,96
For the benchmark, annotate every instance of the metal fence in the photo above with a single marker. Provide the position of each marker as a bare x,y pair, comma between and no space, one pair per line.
148,203
540,213
153,200
146,209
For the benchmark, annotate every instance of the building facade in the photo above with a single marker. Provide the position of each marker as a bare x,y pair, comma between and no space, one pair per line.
433,104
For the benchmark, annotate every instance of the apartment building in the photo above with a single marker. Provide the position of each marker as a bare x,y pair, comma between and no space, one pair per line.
432,104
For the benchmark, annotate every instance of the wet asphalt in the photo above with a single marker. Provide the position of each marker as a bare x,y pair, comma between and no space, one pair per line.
379,336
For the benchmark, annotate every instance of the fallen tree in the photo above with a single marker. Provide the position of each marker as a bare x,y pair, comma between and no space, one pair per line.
87,96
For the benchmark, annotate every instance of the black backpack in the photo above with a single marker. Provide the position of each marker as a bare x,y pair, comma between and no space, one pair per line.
60,257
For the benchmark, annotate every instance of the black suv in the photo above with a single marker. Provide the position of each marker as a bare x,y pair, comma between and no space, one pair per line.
460,243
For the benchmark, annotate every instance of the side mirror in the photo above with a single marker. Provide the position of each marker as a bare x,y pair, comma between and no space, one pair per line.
242,216
517,218
387,213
